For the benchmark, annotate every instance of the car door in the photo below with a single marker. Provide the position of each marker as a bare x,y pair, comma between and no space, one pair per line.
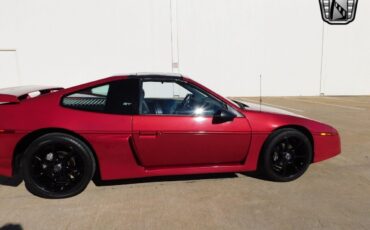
176,127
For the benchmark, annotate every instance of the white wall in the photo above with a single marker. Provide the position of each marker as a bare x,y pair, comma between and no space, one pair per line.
70,42
230,43
224,44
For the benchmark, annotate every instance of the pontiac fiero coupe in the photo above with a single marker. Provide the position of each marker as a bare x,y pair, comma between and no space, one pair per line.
145,125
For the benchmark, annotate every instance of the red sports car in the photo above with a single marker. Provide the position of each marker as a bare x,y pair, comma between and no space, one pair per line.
145,125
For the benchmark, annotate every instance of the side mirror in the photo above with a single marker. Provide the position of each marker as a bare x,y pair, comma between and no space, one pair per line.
222,116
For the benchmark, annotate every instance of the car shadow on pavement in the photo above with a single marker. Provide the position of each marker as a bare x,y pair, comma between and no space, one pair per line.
17,180
10,181
11,227
189,178
256,175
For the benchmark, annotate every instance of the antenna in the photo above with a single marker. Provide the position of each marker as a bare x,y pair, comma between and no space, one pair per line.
260,91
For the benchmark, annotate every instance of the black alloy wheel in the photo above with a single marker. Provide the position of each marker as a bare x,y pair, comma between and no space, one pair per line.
286,156
57,165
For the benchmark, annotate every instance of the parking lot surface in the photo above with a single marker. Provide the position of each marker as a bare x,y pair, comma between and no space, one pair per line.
333,194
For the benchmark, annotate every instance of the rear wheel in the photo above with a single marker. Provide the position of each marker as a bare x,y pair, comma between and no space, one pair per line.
57,165
286,155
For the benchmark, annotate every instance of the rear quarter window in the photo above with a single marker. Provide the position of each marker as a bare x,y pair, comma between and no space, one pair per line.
118,97
92,99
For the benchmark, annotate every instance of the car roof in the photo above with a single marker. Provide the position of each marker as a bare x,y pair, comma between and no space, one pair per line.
153,75
146,76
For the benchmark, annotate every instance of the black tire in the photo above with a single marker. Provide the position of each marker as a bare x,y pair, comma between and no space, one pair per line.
57,165
286,155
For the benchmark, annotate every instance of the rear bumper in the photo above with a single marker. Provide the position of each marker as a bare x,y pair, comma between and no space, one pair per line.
7,146
326,147
6,167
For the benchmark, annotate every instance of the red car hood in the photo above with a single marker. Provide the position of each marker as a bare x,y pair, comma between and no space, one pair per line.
268,109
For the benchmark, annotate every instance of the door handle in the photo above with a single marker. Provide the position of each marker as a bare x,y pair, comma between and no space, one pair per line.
149,134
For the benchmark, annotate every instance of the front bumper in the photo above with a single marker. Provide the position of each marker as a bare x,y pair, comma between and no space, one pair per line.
326,146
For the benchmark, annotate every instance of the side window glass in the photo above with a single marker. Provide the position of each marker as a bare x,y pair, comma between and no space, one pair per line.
92,99
176,98
101,90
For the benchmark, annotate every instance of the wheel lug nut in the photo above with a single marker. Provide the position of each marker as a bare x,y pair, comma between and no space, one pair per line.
49,156
57,167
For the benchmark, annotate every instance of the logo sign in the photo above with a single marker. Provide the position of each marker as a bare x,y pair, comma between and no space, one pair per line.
338,12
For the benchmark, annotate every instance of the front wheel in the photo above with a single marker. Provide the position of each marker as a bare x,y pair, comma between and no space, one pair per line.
57,165
286,155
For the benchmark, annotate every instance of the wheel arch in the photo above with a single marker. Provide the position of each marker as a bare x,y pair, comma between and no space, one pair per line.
30,137
300,128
